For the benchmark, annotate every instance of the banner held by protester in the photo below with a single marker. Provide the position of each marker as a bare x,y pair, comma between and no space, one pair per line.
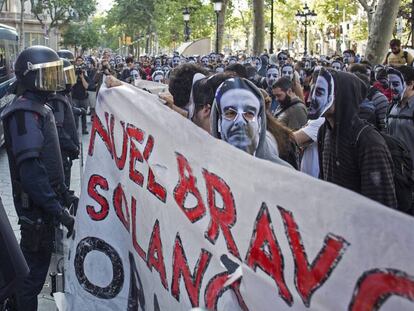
171,218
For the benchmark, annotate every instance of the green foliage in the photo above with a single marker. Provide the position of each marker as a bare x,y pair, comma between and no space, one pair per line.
137,18
62,12
82,35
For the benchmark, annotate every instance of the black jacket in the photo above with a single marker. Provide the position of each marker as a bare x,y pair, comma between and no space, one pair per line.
364,167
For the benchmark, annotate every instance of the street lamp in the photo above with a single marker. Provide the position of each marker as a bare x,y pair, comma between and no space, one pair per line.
271,27
186,17
217,8
306,18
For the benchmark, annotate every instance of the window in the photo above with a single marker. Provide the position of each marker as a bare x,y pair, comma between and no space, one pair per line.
3,69
31,38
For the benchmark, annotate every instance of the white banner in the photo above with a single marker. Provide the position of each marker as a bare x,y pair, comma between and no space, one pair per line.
171,218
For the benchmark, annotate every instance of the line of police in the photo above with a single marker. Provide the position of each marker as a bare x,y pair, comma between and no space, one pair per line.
41,143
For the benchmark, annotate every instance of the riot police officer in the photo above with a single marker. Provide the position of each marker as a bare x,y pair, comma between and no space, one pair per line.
36,165
67,55
65,121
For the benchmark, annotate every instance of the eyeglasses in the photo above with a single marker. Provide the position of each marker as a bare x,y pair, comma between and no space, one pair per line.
231,114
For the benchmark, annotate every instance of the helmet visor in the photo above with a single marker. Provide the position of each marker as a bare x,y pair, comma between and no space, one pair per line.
49,76
70,76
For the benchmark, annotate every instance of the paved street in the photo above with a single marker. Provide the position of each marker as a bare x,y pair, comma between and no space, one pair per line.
46,302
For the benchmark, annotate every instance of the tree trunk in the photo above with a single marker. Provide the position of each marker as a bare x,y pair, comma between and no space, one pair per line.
21,26
381,29
258,27
221,22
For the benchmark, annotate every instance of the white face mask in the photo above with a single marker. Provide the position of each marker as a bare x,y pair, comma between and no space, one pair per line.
397,86
337,66
272,75
240,121
176,61
288,71
322,96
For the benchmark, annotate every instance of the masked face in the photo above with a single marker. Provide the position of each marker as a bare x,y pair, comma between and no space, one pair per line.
288,71
308,65
272,75
191,61
282,58
204,61
347,58
337,66
135,74
397,86
322,95
240,122
157,62
257,63
175,61
213,58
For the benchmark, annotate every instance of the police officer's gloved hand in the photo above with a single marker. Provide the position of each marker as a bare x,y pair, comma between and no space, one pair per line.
74,154
70,201
67,220
83,111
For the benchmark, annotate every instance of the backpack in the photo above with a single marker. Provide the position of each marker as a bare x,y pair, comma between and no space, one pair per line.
405,56
403,169
394,116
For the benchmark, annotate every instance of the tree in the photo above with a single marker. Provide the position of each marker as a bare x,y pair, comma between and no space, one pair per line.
258,26
381,19
61,12
84,36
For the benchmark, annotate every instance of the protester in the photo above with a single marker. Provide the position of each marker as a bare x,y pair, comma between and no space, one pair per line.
80,92
351,154
291,111
307,139
238,117
36,166
397,57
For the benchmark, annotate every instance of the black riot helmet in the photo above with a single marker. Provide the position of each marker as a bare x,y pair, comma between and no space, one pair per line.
70,75
66,54
39,68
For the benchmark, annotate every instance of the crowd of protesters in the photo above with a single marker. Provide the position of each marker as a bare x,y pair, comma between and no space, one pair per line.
340,119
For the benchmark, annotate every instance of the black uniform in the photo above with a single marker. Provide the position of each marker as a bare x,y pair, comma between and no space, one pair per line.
37,177
66,128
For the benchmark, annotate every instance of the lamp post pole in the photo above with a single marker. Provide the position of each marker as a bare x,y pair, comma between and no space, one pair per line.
306,18
186,17
218,4
271,27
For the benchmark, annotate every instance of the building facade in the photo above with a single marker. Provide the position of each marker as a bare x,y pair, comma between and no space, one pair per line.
34,32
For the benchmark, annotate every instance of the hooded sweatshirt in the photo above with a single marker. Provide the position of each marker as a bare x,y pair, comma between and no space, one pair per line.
267,147
351,158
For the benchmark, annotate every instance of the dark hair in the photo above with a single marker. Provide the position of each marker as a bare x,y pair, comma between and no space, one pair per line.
408,73
284,83
79,57
395,42
364,78
352,52
237,68
129,59
205,89
181,82
358,68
